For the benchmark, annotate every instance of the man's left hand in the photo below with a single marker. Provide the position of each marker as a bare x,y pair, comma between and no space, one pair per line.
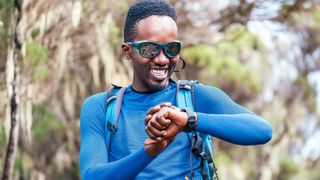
165,122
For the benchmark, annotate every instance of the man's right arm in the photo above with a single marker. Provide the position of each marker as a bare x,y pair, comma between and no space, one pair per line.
93,151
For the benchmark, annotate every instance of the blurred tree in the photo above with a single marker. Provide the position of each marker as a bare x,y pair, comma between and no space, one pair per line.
71,51
13,92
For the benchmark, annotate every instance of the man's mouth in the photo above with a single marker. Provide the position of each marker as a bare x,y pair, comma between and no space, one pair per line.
159,74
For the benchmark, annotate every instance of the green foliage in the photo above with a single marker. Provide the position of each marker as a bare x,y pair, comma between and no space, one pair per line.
85,7
1,165
317,14
246,163
38,56
44,123
103,2
70,173
6,9
316,25
114,30
308,92
2,137
288,168
35,32
232,71
114,35
123,6
18,164
314,172
239,38
6,4
40,72
3,147
222,61
200,55
222,158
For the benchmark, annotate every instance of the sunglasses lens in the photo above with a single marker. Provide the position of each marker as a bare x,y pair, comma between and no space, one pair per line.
149,50
172,49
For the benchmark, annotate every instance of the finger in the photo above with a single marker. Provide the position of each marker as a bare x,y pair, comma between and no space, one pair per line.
164,112
155,133
162,120
175,108
154,109
150,141
158,107
148,118
155,124
172,130
152,136
165,104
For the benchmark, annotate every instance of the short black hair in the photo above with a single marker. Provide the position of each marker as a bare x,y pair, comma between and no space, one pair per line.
143,9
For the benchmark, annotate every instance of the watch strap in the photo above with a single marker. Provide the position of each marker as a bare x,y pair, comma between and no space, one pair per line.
191,123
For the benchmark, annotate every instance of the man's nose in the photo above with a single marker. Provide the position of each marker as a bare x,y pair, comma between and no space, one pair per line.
161,59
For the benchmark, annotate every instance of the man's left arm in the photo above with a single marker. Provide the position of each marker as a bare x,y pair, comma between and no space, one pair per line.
216,115
219,116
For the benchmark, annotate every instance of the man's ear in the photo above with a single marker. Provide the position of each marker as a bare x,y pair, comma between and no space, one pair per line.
125,49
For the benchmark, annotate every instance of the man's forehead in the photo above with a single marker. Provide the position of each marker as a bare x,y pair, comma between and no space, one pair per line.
154,23
157,29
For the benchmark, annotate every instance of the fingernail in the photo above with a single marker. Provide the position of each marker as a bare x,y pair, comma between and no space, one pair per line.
164,133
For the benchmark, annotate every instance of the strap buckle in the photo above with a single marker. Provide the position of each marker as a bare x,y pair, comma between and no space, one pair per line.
112,128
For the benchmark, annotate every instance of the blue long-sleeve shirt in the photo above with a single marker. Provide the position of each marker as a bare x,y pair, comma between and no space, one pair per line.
217,114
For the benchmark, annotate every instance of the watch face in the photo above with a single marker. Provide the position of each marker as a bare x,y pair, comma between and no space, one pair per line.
192,118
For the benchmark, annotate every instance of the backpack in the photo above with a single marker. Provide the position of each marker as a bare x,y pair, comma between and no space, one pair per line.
201,144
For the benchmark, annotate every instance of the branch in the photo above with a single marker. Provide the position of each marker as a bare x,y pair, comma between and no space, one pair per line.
16,44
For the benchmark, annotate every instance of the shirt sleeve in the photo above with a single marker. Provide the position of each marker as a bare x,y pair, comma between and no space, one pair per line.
219,116
93,151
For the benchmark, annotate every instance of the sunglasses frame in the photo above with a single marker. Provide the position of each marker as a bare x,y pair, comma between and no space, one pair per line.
136,45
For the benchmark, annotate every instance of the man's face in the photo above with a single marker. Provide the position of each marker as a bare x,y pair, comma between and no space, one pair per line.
153,74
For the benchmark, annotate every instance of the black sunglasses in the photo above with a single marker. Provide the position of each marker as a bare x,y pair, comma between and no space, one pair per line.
149,50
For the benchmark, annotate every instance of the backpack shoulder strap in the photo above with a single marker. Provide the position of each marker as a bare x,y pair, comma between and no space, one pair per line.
185,94
201,143
185,99
113,108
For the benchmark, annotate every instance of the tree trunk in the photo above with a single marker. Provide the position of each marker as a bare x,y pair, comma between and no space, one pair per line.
15,46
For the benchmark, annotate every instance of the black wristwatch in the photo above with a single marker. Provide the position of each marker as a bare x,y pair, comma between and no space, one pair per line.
191,124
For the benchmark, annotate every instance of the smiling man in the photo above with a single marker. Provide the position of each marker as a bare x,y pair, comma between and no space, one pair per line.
152,139
151,33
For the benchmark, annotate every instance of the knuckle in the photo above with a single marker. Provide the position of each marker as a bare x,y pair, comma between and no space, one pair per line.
152,123
146,130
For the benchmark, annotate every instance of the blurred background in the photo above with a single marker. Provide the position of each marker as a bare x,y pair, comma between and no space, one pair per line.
264,53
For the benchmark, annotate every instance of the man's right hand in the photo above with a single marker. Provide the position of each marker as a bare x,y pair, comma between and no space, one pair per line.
153,147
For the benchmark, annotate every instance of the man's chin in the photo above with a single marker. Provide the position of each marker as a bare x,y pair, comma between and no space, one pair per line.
154,87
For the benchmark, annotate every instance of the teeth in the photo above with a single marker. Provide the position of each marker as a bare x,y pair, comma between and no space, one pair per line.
158,72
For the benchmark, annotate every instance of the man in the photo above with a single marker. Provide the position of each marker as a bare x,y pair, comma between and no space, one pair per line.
150,142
